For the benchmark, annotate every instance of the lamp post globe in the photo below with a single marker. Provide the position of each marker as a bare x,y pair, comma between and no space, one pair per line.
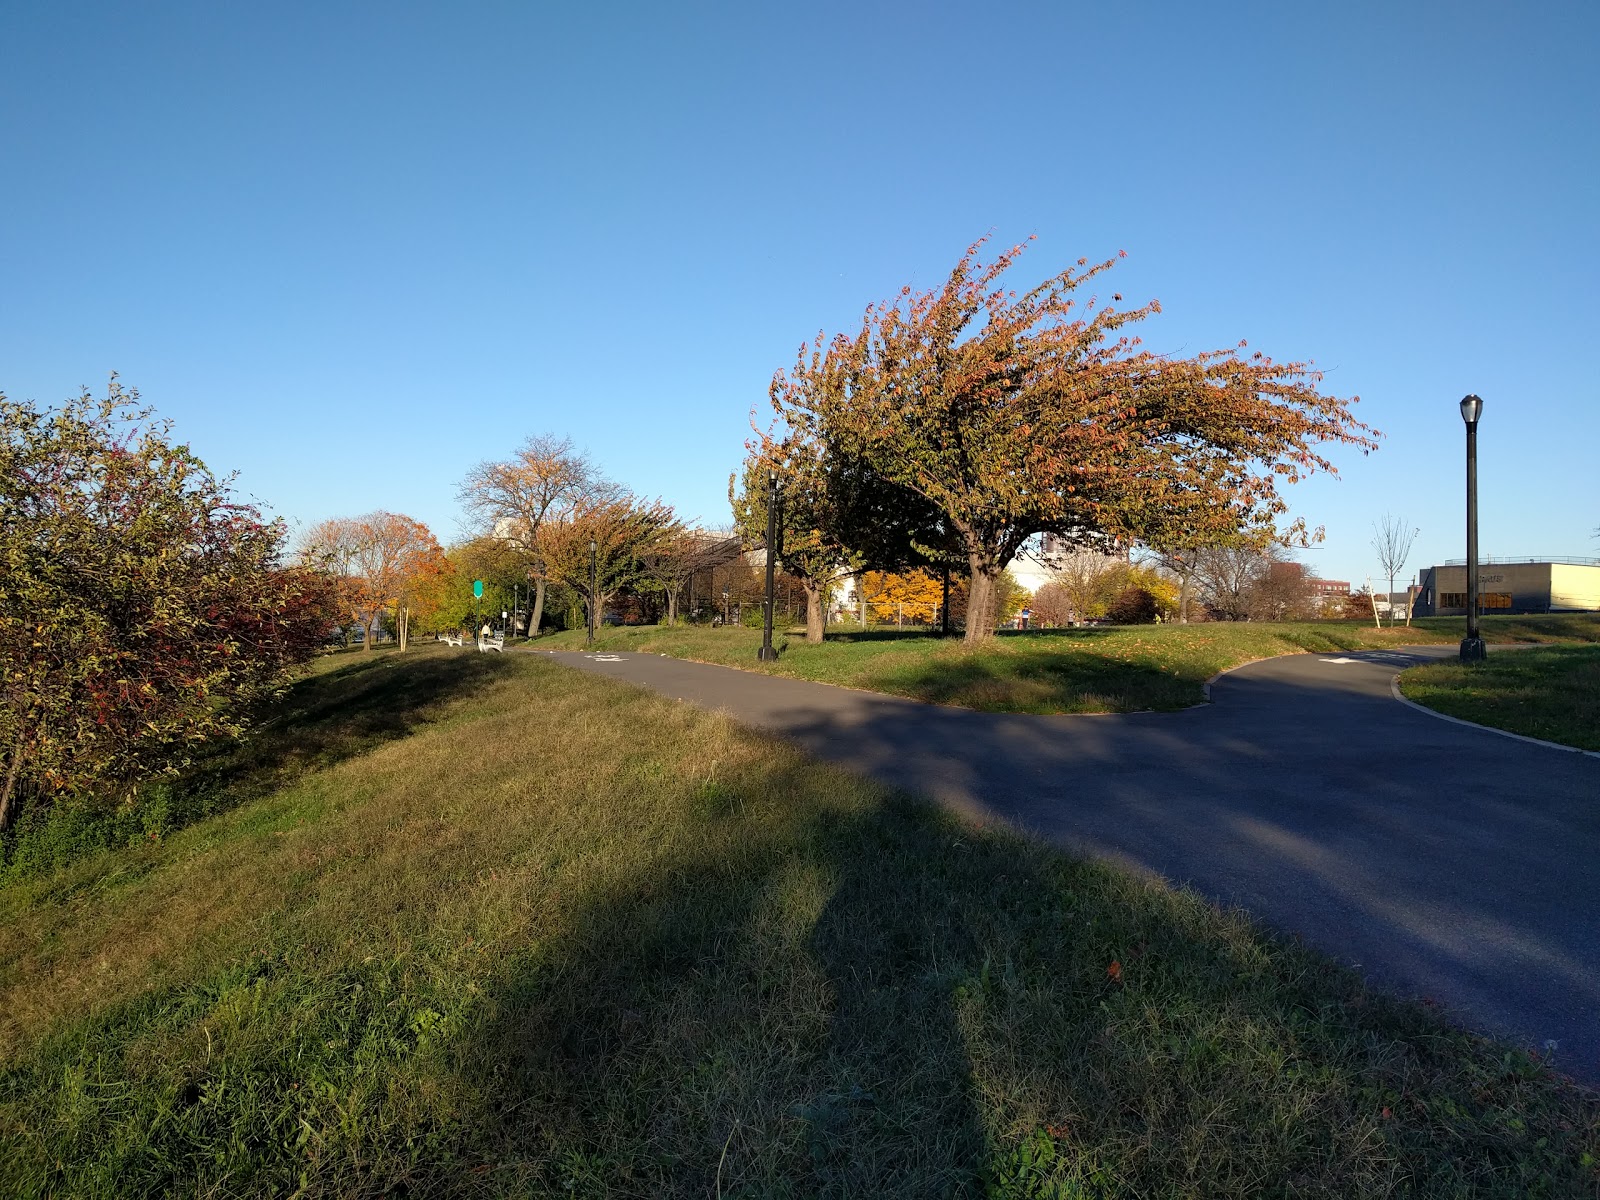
1472,647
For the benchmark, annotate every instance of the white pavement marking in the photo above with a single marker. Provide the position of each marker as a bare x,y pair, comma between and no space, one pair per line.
1339,660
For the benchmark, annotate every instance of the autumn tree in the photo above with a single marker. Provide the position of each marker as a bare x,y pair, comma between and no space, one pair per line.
622,529
837,515
893,595
144,610
330,547
1013,415
383,561
1009,599
814,519
546,479
677,558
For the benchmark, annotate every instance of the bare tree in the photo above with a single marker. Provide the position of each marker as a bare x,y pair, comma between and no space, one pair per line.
1251,582
1392,539
545,479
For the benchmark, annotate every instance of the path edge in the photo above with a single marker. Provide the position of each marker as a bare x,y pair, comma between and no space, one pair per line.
1394,690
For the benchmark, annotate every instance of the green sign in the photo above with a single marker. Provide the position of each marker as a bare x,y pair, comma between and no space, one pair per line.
477,589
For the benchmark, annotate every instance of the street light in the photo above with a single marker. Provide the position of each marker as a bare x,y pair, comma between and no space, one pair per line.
594,592
767,653
1472,647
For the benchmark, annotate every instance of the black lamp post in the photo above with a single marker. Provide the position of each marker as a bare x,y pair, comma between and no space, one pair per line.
594,591
1472,647
725,609
767,653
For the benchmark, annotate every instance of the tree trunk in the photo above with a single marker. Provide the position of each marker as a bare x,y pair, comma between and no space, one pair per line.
672,606
981,583
816,619
8,794
538,608
1183,598
366,631
944,605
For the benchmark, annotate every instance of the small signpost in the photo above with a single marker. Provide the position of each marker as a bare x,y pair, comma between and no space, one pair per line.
477,604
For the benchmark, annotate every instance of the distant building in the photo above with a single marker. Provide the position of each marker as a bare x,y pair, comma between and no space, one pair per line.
1045,558
1512,585
1328,594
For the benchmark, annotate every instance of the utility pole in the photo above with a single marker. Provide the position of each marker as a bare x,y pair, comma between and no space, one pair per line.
767,653
594,592
1472,647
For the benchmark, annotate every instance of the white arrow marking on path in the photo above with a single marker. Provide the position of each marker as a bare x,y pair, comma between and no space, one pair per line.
1339,660
606,657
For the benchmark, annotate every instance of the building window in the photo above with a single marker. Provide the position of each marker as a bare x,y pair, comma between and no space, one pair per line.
1486,600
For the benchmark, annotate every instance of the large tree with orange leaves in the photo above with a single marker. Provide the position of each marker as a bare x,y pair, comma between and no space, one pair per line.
382,561
1015,414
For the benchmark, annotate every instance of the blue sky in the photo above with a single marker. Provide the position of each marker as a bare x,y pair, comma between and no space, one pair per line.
353,249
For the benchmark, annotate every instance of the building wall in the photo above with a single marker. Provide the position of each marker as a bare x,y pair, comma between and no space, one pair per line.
1574,588
1516,587
1511,588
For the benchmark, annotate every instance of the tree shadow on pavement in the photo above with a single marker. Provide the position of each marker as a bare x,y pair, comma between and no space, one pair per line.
1042,683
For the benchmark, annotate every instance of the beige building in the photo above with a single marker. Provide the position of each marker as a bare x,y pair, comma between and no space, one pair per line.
1512,585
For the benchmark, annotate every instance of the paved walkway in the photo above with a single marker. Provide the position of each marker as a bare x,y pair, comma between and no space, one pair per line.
1443,860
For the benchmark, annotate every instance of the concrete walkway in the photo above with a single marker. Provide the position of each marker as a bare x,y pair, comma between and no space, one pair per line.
1444,860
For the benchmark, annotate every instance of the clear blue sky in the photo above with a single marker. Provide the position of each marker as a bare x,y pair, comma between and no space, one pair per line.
353,249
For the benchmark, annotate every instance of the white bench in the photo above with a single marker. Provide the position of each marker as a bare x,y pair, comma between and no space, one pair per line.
451,639
497,643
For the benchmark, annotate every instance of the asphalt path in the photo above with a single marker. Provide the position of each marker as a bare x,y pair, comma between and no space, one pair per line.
1443,860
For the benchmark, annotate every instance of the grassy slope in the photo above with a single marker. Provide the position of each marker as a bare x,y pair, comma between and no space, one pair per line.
556,936
1113,669
1550,692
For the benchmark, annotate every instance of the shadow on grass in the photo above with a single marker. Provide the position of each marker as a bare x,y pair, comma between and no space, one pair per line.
1044,684
891,1003
791,998
779,1021
334,715
326,717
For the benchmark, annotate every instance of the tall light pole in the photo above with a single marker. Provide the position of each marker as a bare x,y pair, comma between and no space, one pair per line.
767,653
1472,647
594,592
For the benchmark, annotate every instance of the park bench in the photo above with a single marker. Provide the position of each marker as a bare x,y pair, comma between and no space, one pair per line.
497,643
451,639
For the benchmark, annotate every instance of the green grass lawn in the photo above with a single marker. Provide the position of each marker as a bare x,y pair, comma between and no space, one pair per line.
1104,669
1549,692
490,927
